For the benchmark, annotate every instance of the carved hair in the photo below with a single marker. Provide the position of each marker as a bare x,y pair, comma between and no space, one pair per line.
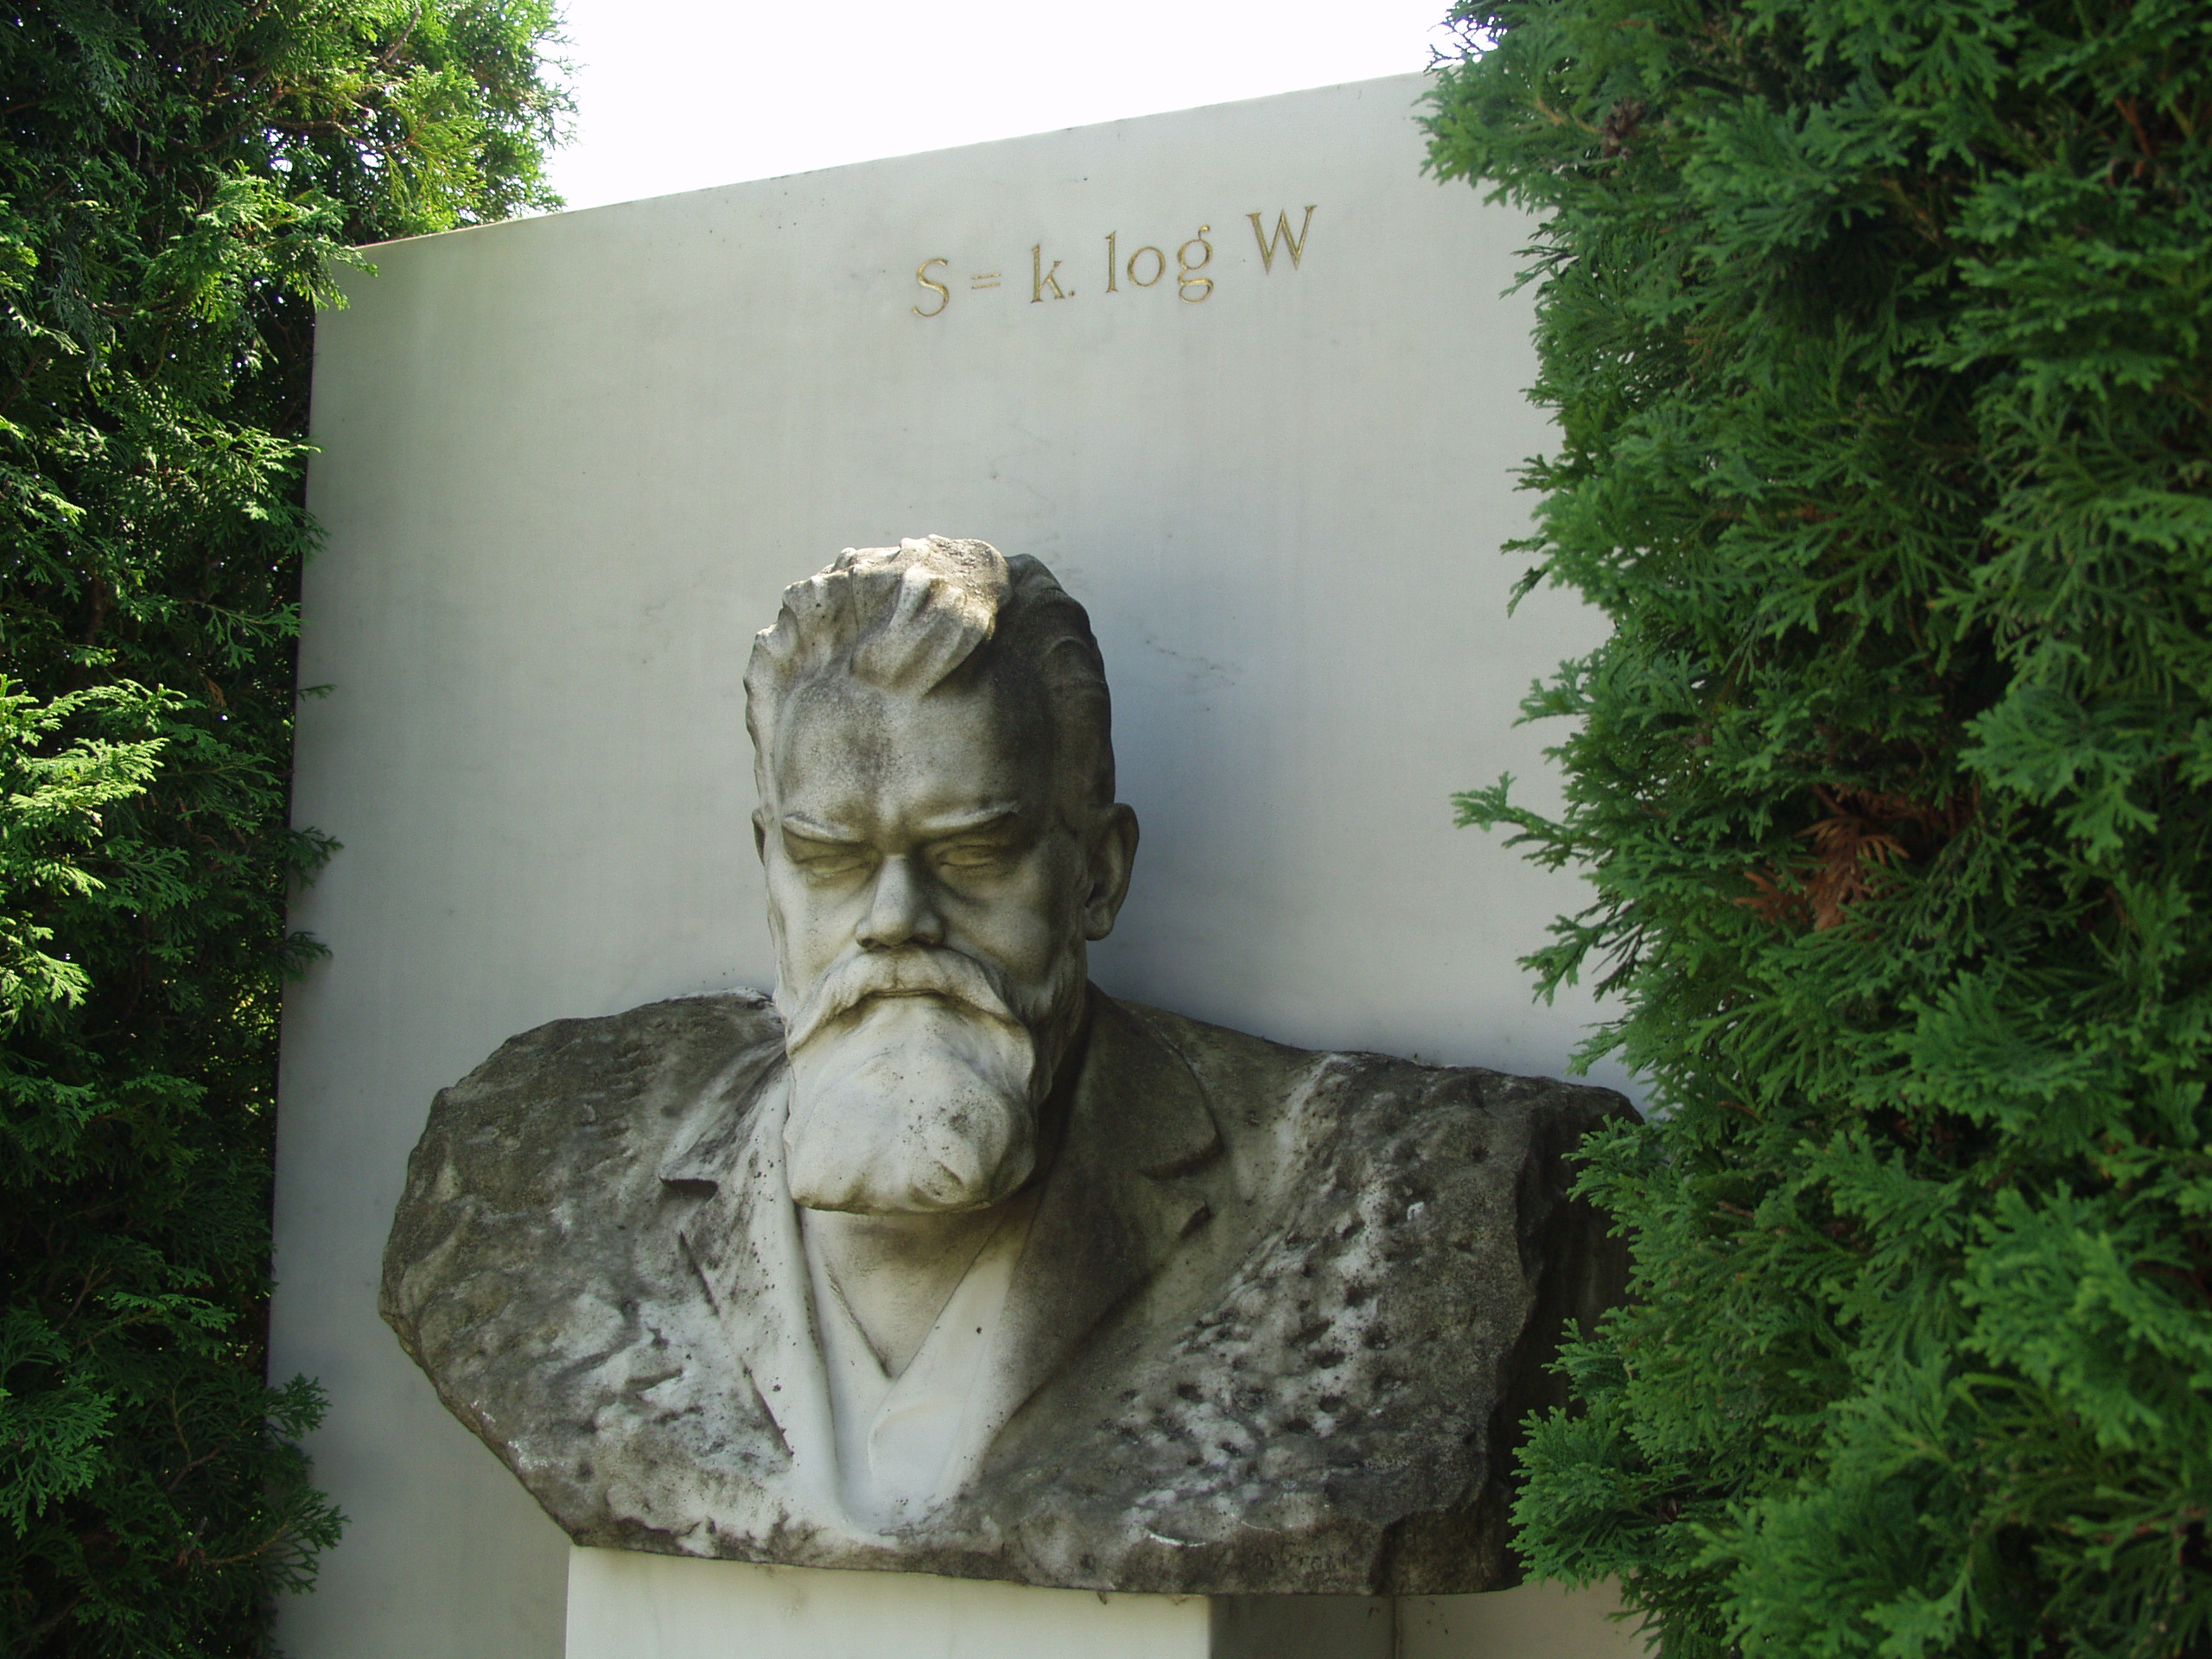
909,618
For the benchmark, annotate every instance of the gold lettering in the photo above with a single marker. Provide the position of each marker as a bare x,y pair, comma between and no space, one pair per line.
944,294
1186,277
1110,287
985,279
1270,246
1040,279
1159,267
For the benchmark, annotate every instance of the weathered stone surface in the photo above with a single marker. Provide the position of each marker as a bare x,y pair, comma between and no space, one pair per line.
945,1262
1275,1319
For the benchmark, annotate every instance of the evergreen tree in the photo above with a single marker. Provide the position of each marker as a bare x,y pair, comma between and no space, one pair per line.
1880,338
175,181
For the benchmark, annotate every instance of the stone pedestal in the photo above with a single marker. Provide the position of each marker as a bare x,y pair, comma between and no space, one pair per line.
626,1604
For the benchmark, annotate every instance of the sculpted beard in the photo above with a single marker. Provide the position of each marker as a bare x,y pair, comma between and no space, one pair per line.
916,1081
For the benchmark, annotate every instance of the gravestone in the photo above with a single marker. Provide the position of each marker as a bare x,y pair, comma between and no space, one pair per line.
1241,376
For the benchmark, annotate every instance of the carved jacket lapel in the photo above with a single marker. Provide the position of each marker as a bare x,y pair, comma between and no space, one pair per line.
743,1244
1115,1205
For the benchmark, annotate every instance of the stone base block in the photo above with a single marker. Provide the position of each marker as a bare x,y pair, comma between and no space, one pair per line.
626,1605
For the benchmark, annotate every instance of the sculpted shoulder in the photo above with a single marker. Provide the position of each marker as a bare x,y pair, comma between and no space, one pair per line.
1350,1331
1253,1082
525,1241
568,1097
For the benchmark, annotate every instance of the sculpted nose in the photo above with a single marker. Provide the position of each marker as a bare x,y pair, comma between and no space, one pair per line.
901,913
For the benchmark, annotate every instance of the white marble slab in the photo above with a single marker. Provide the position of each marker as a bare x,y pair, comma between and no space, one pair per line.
570,463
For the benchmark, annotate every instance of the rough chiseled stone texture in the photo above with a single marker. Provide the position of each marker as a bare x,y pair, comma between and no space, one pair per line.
1279,1316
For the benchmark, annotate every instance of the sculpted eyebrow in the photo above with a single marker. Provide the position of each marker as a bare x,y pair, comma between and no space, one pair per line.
958,824
813,831
987,817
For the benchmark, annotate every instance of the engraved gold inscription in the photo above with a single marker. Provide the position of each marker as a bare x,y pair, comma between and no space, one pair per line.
1040,279
1270,246
1197,273
944,294
1185,277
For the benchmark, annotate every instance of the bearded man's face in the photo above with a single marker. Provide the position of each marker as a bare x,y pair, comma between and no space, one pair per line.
930,899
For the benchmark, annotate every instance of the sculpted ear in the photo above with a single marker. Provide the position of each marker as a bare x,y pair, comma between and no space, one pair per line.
1113,855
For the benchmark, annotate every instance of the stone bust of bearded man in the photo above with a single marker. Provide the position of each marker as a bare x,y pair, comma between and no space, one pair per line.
945,1261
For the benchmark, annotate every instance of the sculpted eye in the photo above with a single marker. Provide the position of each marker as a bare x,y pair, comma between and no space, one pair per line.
826,859
970,855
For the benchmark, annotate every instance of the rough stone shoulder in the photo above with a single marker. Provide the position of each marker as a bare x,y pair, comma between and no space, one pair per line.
722,1023
1365,1356
572,1106
1195,1038
1208,1049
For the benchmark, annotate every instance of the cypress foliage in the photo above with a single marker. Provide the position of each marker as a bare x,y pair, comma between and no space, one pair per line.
174,180
1879,336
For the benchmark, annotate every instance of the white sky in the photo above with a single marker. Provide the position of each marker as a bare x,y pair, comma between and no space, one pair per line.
680,95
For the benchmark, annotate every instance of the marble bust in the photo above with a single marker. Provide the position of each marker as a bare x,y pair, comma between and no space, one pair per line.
943,1260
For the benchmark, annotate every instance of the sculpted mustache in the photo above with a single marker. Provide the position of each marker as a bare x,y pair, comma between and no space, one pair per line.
898,973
